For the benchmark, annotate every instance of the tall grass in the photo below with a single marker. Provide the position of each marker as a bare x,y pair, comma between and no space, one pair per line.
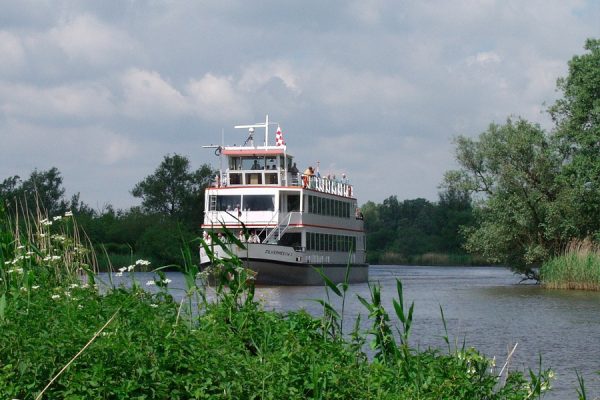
577,268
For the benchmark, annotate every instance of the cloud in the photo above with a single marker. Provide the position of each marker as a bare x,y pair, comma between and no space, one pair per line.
13,55
216,98
483,58
75,101
86,38
148,95
259,74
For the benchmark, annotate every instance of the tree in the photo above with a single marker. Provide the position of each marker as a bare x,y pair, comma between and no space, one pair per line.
513,169
577,118
173,190
42,190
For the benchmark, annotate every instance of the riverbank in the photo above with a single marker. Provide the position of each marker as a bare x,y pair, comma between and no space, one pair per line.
578,268
427,259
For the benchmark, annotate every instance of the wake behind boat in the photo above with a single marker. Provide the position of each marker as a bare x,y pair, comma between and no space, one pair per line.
294,222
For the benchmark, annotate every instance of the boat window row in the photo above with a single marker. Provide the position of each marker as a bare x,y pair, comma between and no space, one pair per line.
253,178
256,162
247,202
325,206
327,242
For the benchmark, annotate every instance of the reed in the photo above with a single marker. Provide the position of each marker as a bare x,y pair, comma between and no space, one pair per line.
578,268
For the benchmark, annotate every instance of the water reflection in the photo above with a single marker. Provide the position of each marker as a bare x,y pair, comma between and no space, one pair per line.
486,307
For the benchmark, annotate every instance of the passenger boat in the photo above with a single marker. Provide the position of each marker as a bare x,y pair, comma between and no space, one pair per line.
298,222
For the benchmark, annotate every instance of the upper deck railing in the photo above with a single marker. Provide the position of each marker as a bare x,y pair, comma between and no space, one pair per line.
277,177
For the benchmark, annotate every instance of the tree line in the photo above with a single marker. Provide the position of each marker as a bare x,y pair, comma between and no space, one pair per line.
170,214
418,231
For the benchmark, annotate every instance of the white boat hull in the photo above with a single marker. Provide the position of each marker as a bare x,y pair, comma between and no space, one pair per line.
283,265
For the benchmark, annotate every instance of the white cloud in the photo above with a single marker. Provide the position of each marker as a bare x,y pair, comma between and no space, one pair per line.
484,58
70,100
259,74
12,53
148,95
87,38
214,98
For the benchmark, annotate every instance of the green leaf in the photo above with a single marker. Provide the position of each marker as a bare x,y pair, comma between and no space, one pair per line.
329,282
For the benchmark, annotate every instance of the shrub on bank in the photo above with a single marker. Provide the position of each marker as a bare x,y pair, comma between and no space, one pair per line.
577,268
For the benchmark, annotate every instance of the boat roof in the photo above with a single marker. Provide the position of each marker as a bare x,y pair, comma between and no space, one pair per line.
254,151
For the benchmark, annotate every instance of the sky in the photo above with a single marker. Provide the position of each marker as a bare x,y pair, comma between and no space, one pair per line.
376,89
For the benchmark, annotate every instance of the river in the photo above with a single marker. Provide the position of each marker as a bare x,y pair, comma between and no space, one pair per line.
485,307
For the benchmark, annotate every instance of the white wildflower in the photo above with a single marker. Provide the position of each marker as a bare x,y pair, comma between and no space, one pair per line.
130,268
80,306
73,285
150,283
23,289
154,305
57,218
47,223
55,258
47,258
142,262
167,281
68,214
122,269
55,296
35,287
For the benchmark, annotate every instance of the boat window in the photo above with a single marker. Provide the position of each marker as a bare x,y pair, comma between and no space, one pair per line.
293,202
253,179
228,202
235,163
254,163
235,178
271,178
291,239
259,202
271,163
325,242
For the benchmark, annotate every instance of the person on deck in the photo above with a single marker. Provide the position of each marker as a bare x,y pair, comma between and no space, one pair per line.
308,172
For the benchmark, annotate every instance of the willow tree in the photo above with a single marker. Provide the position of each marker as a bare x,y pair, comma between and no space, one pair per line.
512,170
537,191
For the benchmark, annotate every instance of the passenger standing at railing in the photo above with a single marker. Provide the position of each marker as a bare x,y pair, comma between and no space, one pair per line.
308,172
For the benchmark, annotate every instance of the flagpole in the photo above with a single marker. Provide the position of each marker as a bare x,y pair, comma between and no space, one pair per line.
267,130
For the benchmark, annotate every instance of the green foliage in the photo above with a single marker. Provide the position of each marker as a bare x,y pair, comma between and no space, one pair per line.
41,191
577,268
513,166
70,340
537,191
175,191
403,232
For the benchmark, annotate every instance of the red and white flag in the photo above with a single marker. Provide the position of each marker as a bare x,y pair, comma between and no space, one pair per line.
279,137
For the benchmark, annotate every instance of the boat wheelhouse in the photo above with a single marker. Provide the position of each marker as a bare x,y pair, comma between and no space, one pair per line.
297,221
